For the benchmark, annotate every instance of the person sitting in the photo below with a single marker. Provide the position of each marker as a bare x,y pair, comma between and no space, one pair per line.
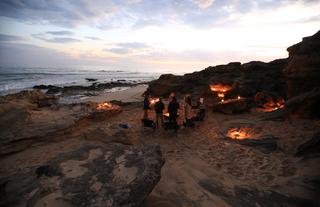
173,113
159,107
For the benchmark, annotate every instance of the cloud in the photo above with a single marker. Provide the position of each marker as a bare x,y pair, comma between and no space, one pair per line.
128,47
46,38
110,14
62,33
66,13
93,38
10,38
203,4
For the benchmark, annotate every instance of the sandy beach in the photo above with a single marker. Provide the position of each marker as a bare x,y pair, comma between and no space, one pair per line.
132,94
201,167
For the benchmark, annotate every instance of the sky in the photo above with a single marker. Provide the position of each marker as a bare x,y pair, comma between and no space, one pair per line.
151,35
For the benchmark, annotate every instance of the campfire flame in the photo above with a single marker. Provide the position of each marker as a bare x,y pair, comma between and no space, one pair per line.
240,133
220,88
107,106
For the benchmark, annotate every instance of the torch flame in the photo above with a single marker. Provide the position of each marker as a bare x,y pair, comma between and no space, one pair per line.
221,95
154,100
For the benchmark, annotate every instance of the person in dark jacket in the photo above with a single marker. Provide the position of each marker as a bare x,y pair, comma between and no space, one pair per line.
173,112
146,106
159,107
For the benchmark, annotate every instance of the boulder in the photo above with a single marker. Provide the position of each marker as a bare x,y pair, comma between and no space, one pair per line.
109,175
305,105
303,70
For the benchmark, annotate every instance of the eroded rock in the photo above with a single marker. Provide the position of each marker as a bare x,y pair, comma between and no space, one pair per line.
109,175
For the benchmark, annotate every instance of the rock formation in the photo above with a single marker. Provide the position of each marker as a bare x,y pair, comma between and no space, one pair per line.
24,121
303,70
110,175
247,79
303,77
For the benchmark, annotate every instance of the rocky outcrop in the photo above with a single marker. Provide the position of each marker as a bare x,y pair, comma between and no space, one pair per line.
110,175
35,97
303,70
247,79
96,86
23,122
263,77
303,77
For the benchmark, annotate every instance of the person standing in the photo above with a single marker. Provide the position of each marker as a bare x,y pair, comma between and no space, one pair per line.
146,106
188,112
159,107
173,112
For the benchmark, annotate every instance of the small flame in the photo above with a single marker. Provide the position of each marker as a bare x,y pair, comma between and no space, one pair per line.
222,100
239,97
107,106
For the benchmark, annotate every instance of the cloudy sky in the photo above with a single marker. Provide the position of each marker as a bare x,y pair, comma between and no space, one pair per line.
145,35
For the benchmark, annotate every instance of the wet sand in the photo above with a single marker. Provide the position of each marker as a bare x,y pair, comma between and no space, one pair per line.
132,94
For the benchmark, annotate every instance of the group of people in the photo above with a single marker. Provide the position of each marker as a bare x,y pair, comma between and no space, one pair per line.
172,114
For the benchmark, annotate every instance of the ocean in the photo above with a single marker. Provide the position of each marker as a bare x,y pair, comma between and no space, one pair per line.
13,80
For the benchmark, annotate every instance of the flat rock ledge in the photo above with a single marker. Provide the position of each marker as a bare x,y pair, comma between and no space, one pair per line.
109,175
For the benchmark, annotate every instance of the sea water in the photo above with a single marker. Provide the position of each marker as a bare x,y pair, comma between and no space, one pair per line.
13,80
